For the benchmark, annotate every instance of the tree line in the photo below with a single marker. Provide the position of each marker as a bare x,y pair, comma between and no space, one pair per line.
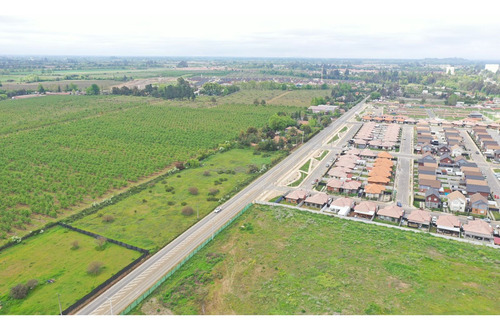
181,90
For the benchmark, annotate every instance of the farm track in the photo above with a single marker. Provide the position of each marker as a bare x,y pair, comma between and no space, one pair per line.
279,96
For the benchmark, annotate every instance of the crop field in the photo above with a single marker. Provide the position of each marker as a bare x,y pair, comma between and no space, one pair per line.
152,218
274,260
298,98
55,167
24,114
54,256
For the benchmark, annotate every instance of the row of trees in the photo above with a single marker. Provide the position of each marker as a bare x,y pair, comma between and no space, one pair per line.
217,89
182,90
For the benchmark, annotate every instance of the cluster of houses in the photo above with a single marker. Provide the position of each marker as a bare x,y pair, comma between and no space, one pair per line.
377,136
488,145
362,172
418,218
445,141
469,194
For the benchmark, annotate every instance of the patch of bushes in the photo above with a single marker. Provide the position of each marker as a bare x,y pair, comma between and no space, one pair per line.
95,268
187,211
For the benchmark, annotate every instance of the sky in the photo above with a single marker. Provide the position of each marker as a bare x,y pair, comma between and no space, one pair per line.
258,28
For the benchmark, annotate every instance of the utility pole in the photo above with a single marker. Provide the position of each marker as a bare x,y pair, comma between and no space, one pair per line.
59,300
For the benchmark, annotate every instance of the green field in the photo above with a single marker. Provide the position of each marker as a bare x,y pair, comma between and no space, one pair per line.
152,218
50,256
274,260
54,167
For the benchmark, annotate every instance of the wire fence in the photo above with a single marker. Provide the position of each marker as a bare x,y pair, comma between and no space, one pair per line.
180,264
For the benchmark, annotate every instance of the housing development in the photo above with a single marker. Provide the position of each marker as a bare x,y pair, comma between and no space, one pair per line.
249,186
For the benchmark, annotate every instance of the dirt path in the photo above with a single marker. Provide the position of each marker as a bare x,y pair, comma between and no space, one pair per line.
279,96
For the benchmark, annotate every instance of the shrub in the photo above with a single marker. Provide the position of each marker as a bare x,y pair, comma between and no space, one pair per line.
100,243
75,245
193,190
213,191
171,203
206,173
179,165
252,168
95,268
183,203
20,291
31,284
108,218
187,211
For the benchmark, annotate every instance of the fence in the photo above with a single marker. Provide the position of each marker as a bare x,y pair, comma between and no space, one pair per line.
91,234
180,264
103,285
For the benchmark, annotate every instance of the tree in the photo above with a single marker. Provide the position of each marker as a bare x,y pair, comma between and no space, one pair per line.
193,190
108,218
375,95
41,89
31,284
182,64
263,102
452,100
75,245
95,268
93,90
256,102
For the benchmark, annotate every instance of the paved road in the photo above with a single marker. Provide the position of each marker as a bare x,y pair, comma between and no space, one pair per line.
132,286
404,175
321,168
481,163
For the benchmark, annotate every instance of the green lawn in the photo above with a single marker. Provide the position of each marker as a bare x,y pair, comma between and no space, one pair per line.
299,181
322,156
294,262
305,167
50,256
152,218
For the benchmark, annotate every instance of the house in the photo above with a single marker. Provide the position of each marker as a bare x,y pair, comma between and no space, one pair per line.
340,173
460,161
478,204
423,170
318,200
391,213
448,224
456,151
479,230
383,162
472,189
419,218
351,186
368,153
378,180
428,177
384,155
432,198
334,185
373,191
443,149
342,206
425,184
378,171
366,209
457,201
296,196
426,159
446,160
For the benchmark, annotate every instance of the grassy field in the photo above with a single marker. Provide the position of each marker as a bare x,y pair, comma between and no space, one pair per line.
50,256
154,217
273,260
50,169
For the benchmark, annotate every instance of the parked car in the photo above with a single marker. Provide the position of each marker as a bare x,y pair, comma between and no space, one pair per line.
477,152
434,220
327,165
399,204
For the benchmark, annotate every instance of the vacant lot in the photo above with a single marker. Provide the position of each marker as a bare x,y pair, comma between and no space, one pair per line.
154,217
277,261
53,255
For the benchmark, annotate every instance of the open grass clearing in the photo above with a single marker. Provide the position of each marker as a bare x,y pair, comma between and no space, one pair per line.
51,256
153,217
274,260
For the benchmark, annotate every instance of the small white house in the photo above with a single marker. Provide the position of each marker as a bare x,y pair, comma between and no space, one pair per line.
457,201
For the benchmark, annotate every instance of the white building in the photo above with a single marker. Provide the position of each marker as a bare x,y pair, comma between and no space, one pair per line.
492,67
